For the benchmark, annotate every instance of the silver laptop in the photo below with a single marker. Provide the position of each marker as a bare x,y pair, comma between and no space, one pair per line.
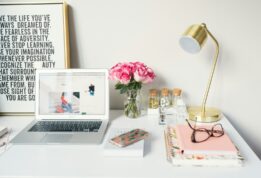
72,107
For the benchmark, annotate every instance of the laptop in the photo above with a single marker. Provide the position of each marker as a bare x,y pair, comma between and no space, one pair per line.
72,107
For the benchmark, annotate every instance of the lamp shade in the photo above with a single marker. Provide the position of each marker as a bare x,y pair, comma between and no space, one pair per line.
193,38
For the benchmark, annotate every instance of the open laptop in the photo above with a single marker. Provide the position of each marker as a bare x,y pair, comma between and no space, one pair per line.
72,107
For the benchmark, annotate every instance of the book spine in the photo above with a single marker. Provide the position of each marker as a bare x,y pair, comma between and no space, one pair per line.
180,142
168,145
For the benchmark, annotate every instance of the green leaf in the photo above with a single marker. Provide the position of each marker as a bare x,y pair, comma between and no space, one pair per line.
137,86
119,86
123,89
131,85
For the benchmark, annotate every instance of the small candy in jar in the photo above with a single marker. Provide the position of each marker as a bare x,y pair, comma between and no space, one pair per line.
153,99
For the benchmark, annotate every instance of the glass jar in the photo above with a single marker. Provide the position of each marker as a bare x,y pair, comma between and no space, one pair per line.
153,99
132,104
164,105
176,97
179,106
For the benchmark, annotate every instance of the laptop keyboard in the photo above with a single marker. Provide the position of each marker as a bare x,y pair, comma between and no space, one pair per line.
66,126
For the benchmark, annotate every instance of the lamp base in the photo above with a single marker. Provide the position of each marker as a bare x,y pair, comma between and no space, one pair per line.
211,114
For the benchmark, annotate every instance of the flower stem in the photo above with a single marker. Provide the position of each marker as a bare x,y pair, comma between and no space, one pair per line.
131,107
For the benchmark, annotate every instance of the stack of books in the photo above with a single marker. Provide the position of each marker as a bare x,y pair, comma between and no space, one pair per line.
216,151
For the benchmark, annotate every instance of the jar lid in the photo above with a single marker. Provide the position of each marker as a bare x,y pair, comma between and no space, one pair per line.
164,92
153,92
176,91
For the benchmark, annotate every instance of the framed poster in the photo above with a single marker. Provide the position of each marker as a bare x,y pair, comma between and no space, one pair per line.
33,35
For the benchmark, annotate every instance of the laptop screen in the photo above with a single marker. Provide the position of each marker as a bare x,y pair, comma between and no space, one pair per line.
72,93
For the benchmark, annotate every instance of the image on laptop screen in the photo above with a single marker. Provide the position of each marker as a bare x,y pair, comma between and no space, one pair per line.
79,93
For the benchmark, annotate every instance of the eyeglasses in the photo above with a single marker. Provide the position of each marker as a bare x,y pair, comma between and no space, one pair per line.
202,134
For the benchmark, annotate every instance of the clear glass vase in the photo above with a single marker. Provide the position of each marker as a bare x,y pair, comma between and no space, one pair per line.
132,104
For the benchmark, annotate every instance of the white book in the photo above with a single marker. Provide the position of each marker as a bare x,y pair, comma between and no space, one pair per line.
111,150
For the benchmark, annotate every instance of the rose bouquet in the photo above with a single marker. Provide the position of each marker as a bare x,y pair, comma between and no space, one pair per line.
130,77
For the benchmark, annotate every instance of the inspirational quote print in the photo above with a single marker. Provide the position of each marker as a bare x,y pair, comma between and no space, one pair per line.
27,43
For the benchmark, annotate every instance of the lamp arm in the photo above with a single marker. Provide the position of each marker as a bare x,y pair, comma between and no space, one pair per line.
203,107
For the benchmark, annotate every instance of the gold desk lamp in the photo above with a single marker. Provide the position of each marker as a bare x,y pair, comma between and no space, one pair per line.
192,41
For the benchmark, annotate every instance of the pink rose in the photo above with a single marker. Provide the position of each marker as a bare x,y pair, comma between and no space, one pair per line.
125,78
132,66
126,72
150,76
140,74
114,72
121,72
143,73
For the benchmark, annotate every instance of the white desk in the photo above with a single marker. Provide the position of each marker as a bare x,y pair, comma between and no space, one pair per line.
88,161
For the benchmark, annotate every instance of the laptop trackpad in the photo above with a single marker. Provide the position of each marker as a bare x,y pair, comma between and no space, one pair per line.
57,138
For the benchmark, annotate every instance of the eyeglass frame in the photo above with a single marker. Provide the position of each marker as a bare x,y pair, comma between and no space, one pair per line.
209,132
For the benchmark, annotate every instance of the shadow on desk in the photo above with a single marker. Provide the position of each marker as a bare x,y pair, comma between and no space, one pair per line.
115,115
147,146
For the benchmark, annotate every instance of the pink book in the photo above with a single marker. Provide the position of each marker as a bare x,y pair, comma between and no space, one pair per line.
214,145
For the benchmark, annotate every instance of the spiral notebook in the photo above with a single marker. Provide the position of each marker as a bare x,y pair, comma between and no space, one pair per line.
177,158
